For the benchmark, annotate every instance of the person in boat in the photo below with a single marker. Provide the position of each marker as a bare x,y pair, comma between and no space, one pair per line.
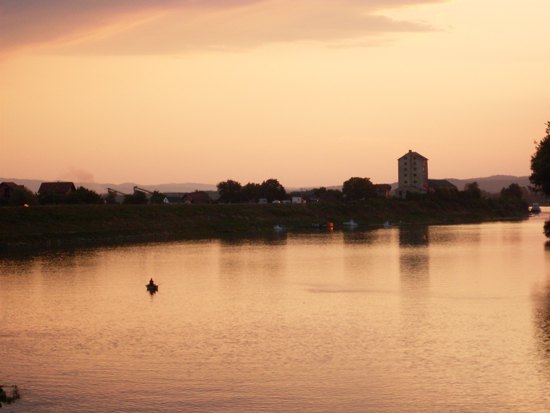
151,282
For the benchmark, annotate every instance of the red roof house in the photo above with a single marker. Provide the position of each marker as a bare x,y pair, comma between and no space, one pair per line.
7,189
58,188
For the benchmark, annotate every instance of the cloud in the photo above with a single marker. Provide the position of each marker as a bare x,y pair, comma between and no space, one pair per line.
173,26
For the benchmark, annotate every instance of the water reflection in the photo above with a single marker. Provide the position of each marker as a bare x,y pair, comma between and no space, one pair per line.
542,320
404,319
414,235
263,257
274,238
360,237
414,258
18,264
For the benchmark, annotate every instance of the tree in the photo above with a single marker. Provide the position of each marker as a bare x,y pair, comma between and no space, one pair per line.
110,198
22,196
251,192
157,198
328,195
540,167
230,191
512,192
540,164
358,188
472,190
83,196
272,190
137,197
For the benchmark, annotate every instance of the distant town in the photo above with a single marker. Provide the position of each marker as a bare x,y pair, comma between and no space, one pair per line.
412,170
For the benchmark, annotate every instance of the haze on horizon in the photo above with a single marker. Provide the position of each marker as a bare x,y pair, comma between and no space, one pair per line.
310,92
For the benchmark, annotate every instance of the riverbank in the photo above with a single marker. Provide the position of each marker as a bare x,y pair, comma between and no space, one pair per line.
67,225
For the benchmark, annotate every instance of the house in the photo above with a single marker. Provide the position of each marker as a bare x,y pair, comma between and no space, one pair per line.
7,189
197,197
56,188
412,173
175,197
383,190
441,185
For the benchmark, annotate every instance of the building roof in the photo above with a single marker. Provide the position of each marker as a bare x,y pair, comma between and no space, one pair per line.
175,194
8,188
56,187
414,154
441,184
197,197
11,185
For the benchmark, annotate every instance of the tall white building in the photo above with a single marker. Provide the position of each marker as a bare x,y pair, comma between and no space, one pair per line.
413,174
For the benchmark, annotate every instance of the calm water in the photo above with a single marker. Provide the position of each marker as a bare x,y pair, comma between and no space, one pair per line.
426,319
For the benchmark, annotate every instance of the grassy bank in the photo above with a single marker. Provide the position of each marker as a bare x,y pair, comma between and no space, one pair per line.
43,226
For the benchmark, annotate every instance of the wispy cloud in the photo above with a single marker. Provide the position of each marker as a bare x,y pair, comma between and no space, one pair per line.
172,26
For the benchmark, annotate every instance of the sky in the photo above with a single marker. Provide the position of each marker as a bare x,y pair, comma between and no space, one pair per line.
310,92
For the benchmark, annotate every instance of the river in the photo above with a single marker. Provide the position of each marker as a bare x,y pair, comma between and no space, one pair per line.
412,319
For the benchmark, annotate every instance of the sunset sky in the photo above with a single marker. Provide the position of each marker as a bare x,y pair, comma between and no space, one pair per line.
310,92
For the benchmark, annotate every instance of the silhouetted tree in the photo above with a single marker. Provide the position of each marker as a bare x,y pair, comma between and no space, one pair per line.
272,190
512,192
83,196
540,164
22,196
358,188
110,198
251,192
230,191
157,198
137,197
328,195
472,190
540,167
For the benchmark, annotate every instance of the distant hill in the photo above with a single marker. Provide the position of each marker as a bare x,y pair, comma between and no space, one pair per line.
491,184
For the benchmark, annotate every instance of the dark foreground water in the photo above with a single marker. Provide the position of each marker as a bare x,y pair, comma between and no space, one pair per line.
424,319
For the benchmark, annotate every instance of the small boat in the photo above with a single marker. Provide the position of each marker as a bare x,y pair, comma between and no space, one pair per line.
535,208
152,288
350,224
387,224
278,228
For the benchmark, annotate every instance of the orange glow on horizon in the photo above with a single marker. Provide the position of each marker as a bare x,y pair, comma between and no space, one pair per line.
161,96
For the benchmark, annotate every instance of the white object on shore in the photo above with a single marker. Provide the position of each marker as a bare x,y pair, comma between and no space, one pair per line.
351,224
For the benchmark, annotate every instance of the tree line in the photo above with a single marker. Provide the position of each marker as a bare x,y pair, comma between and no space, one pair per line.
540,168
271,190
23,196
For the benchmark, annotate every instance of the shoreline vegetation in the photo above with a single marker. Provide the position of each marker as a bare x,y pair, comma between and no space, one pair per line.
52,226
